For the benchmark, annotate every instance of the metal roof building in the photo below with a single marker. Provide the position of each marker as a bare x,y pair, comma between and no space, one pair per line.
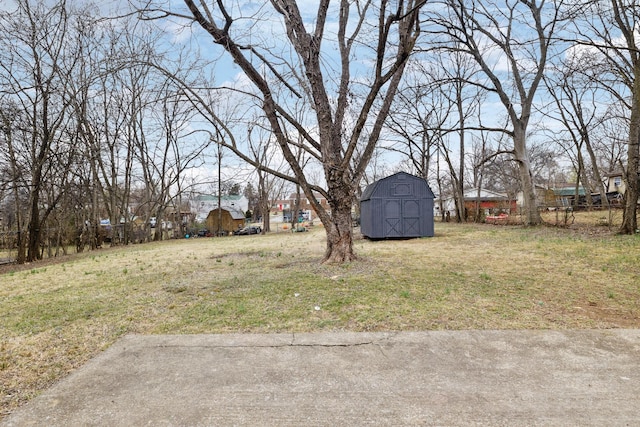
398,206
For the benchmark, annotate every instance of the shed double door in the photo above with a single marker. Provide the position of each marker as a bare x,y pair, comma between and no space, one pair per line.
402,218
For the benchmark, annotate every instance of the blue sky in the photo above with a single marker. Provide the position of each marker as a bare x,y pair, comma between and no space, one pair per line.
178,34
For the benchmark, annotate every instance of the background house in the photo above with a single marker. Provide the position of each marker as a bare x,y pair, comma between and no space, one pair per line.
484,201
616,186
282,210
614,182
279,210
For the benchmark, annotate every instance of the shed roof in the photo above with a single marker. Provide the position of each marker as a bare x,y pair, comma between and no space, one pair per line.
235,213
370,190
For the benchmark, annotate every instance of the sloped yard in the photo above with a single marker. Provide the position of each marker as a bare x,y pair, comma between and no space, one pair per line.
57,314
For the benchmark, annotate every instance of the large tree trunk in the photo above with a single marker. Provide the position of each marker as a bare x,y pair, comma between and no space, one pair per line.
462,212
629,220
459,192
597,177
33,244
339,231
264,202
21,256
530,214
338,223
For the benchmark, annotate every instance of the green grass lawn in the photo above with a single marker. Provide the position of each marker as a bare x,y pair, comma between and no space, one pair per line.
54,316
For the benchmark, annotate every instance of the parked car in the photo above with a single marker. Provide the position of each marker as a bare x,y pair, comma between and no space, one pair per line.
203,233
251,229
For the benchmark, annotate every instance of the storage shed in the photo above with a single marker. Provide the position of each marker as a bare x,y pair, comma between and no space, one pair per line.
398,206
230,220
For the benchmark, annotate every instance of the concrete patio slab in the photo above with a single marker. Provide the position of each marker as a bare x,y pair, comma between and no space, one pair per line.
439,378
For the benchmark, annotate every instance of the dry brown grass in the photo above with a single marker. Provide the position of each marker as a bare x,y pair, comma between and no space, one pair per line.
54,316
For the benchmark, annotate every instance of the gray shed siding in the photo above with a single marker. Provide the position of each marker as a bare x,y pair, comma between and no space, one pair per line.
398,206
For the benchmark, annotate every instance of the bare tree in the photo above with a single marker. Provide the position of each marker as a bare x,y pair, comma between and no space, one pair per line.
390,28
521,33
165,156
464,99
610,28
264,151
418,119
109,150
117,119
436,111
15,172
610,141
38,54
576,99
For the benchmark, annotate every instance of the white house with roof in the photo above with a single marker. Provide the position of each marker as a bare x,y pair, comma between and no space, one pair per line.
614,182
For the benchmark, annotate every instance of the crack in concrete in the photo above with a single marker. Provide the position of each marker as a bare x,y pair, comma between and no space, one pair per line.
351,344
292,343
